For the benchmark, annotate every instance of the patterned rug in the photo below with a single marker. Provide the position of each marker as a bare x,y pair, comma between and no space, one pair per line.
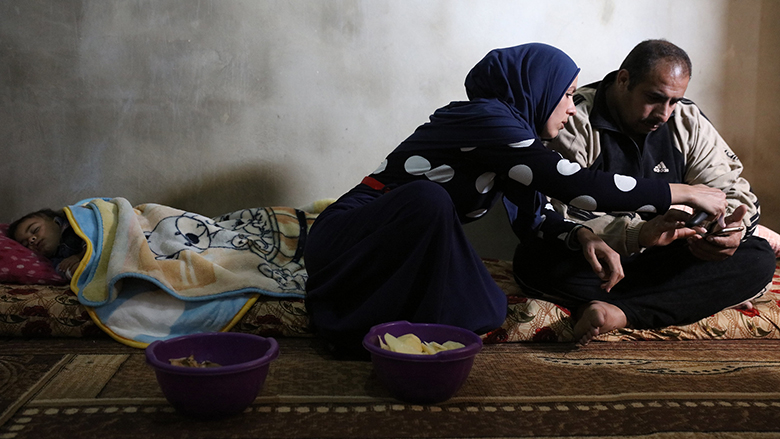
69,388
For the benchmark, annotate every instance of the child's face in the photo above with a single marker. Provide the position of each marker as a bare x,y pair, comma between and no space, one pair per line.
40,234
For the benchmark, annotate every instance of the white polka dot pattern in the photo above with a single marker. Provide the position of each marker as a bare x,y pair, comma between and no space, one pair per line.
522,144
382,167
442,174
476,213
522,174
584,202
566,167
647,209
625,183
417,165
485,182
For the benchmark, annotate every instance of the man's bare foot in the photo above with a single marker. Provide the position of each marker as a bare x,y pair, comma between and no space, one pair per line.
748,304
744,306
597,318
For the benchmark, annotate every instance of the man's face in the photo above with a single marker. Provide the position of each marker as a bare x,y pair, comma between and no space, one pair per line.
650,103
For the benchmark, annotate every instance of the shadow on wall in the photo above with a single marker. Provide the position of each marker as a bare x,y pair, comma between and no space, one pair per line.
231,190
263,185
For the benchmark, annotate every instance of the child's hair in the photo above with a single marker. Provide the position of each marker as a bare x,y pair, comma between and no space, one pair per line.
40,213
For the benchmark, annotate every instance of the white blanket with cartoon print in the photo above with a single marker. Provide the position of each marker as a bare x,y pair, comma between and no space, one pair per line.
153,272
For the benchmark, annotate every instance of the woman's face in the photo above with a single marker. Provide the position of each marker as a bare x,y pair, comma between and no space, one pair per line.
560,115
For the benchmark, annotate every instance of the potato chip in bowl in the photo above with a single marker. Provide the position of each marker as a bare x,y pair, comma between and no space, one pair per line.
411,344
416,376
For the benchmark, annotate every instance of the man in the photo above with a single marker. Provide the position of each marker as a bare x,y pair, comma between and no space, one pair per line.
637,122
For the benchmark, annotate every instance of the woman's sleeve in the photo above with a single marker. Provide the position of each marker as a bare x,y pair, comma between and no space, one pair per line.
528,165
528,172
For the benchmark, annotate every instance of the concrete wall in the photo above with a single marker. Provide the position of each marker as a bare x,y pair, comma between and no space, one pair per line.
216,105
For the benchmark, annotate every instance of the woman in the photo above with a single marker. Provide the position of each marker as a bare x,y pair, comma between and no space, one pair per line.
393,247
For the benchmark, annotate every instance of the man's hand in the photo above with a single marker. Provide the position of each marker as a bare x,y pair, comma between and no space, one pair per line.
665,229
597,251
715,247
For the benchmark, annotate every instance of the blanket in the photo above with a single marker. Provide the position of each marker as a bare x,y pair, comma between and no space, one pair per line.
153,272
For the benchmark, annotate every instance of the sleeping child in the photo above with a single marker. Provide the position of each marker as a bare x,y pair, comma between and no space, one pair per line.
49,234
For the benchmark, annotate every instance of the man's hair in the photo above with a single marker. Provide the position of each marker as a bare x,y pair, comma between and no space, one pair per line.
646,55
43,213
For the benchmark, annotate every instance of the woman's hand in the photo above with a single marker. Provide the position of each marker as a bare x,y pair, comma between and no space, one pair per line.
700,197
596,252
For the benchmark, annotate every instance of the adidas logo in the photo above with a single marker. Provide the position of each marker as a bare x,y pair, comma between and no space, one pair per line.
660,168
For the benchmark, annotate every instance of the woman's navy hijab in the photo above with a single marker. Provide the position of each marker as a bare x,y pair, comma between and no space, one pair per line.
512,92
532,78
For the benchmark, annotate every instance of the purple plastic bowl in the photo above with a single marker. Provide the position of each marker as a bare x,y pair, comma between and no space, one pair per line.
215,391
423,379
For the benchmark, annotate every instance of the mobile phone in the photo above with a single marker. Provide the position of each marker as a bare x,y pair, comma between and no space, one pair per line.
696,219
724,232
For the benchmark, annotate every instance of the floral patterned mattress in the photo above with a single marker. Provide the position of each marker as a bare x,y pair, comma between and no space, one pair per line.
54,311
